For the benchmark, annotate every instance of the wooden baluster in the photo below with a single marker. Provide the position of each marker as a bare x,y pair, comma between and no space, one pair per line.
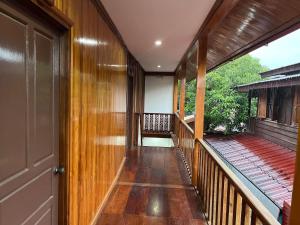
234,213
258,222
191,138
212,177
238,209
165,123
169,122
200,174
205,179
205,175
151,122
146,124
248,215
168,118
223,200
208,184
227,202
161,123
243,213
220,198
156,122
173,123
215,199
253,218
231,204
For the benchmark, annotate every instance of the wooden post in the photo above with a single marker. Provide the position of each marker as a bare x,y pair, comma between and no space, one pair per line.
249,127
294,216
249,105
175,94
199,105
182,92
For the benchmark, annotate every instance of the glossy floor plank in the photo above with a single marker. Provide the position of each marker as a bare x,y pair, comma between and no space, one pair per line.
154,188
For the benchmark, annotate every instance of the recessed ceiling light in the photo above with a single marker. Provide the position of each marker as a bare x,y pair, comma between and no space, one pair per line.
158,42
158,66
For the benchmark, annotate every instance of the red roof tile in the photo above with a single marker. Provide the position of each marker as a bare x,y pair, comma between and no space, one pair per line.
267,165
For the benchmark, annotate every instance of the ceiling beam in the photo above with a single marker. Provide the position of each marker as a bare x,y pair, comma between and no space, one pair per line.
159,73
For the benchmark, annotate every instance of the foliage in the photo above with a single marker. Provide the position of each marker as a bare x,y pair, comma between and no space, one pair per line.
224,106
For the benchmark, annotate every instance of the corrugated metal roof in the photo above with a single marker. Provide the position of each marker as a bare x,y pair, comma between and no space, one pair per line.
284,81
270,167
286,70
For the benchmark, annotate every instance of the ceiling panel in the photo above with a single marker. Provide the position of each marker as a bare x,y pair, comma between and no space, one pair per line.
141,22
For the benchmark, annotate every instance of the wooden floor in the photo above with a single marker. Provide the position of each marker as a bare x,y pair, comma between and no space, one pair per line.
154,188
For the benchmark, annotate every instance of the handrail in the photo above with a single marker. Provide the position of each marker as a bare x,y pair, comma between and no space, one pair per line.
183,122
185,141
261,212
187,126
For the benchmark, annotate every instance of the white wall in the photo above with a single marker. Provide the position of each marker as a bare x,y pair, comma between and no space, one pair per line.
159,94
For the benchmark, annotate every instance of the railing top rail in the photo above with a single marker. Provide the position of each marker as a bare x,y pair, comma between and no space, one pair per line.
251,198
159,113
187,127
185,124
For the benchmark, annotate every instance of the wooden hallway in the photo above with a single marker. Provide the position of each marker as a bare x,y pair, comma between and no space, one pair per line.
154,188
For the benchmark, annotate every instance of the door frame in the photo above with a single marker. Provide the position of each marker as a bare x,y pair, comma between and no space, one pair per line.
45,10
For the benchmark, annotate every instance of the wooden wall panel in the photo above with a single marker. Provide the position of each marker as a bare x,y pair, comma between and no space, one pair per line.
282,134
97,109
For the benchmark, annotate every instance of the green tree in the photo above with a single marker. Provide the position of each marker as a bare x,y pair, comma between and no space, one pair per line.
223,104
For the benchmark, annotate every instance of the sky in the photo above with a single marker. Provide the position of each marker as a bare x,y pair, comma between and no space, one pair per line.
281,52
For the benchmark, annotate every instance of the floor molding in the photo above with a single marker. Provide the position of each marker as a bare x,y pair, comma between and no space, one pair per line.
176,186
114,183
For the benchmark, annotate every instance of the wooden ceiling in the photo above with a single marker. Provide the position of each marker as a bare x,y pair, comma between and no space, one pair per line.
247,25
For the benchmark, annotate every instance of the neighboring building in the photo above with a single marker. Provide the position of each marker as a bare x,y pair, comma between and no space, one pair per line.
265,155
278,98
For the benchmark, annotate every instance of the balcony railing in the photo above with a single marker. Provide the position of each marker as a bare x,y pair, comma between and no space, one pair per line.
157,124
225,200
185,136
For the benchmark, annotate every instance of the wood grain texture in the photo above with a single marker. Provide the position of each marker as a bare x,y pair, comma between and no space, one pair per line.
199,104
182,98
262,104
249,24
175,95
97,109
236,27
282,134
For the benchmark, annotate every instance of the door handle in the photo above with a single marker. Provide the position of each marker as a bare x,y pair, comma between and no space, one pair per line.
59,170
